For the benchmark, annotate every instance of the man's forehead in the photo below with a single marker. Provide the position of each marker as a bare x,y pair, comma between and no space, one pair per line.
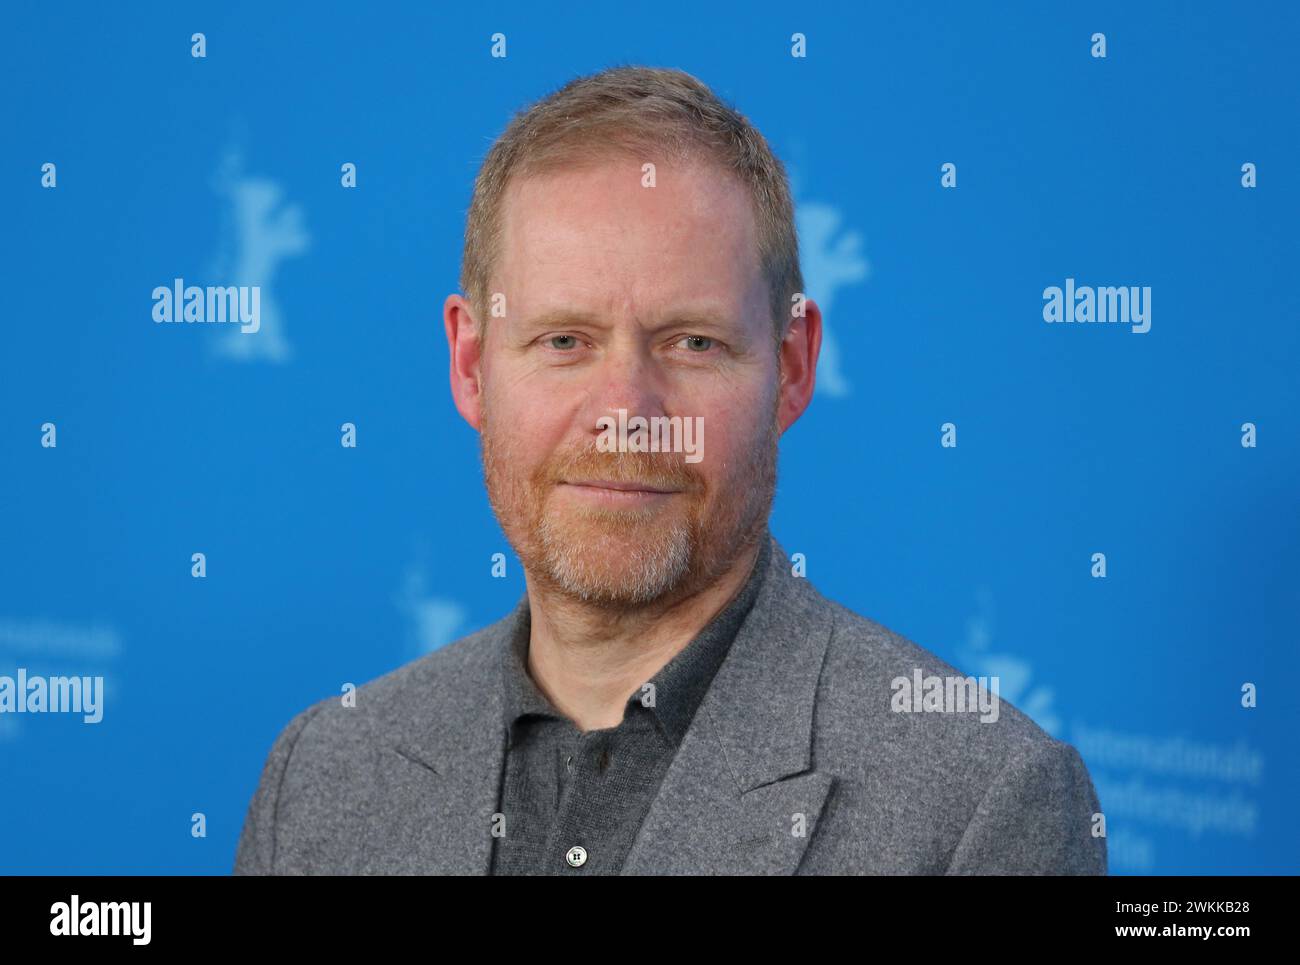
633,171
608,201
595,241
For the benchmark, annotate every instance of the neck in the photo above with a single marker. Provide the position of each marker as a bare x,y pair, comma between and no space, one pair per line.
588,661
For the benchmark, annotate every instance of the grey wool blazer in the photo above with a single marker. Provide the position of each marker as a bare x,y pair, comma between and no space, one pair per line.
795,762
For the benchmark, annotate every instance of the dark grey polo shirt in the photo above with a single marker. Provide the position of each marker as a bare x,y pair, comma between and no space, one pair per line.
563,789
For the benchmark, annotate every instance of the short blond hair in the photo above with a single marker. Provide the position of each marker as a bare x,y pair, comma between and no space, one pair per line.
642,112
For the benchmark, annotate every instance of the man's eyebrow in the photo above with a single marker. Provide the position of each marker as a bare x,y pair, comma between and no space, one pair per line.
561,318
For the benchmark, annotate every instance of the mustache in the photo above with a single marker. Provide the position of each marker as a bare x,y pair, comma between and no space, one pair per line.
663,470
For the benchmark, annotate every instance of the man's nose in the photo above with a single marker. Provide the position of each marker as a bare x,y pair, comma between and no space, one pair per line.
625,378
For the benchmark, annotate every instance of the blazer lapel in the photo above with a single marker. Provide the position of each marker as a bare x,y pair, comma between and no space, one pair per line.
438,779
739,796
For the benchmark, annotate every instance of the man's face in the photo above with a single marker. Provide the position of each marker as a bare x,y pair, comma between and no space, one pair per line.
647,299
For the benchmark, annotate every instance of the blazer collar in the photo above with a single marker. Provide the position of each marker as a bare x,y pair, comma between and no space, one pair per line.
739,796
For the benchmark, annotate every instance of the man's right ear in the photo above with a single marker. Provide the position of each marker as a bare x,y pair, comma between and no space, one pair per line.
465,348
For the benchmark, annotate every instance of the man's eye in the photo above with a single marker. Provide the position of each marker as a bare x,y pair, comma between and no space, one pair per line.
698,343
569,341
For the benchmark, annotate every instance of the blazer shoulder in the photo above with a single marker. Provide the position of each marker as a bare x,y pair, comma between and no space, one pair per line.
322,765
865,654
885,698
970,765
439,683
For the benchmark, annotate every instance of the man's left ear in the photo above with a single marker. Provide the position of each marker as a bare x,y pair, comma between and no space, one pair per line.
800,349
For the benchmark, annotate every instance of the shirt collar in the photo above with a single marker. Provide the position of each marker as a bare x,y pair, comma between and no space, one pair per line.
680,684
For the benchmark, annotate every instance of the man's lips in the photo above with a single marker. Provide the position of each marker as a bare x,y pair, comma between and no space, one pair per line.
625,487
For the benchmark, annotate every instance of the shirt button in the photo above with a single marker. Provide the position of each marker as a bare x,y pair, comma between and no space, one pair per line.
577,856
569,762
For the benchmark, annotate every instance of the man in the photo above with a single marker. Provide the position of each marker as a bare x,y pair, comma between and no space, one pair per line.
670,696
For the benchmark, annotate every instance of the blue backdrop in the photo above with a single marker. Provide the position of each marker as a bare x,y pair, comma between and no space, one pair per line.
328,565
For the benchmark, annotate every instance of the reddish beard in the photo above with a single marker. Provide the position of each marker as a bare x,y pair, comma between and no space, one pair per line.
618,558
